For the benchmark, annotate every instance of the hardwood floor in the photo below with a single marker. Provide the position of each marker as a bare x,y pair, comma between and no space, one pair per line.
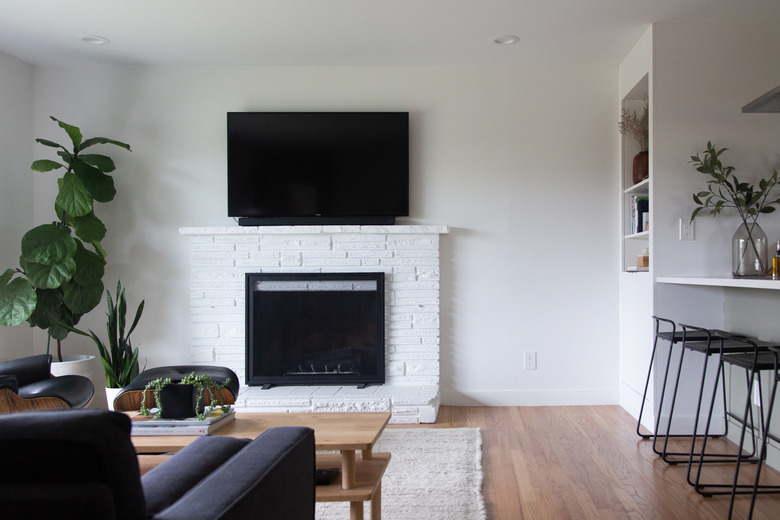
586,462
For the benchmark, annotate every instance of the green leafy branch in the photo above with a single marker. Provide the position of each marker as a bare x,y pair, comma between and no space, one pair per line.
725,190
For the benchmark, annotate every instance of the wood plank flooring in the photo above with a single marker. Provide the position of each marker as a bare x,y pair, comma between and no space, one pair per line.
586,462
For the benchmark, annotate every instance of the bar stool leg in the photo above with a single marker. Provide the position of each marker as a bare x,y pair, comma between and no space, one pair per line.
735,485
738,457
650,372
762,455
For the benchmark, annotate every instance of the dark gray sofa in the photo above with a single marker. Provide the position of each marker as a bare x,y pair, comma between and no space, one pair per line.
80,464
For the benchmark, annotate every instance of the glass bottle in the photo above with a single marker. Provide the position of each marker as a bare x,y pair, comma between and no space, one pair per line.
749,252
776,263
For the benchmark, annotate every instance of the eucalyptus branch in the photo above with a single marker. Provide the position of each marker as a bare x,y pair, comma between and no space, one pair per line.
725,190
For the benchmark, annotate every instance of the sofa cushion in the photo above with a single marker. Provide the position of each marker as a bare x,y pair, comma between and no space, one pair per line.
90,447
271,478
166,483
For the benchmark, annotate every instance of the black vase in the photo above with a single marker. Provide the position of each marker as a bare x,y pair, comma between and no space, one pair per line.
178,401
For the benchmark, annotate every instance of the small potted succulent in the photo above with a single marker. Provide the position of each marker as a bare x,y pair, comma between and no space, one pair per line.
185,398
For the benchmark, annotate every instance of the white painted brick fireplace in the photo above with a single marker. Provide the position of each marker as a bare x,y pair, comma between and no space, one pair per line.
409,257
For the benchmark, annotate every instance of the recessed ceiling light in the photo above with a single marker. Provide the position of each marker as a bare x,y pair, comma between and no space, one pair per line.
93,40
506,39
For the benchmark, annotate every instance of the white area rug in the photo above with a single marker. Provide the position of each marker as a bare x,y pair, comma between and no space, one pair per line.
434,474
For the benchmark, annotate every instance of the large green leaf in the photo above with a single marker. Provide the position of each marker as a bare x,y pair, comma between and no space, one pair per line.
17,302
66,156
102,140
45,165
48,299
73,197
58,331
42,318
50,276
73,132
89,228
6,277
102,162
52,144
48,244
89,267
97,183
82,298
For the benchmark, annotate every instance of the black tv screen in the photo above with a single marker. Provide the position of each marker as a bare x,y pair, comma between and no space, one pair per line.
309,167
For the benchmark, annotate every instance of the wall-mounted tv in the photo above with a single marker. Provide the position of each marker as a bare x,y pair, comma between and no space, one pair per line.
287,168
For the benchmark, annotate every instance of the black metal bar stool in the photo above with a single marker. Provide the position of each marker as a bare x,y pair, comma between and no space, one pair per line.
673,337
714,343
755,359
755,364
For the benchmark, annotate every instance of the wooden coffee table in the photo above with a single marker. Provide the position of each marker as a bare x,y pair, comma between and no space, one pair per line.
361,478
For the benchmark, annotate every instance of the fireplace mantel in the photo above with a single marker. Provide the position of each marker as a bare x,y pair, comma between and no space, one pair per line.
303,230
407,254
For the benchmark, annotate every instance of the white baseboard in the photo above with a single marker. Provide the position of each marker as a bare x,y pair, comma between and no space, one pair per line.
528,397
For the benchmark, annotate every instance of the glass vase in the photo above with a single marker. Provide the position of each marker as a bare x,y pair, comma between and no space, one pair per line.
749,252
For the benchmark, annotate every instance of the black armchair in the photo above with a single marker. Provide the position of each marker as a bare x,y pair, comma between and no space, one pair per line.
81,464
26,384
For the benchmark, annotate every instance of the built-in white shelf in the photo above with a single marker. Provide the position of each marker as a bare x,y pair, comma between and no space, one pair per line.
745,283
640,188
641,234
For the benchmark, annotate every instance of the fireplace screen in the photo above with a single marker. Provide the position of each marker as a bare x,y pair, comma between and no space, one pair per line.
315,329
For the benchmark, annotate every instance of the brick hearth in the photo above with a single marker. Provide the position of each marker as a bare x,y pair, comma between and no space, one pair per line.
409,257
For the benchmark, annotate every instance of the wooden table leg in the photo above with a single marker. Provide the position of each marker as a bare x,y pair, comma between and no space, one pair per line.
356,511
367,454
348,469
376,503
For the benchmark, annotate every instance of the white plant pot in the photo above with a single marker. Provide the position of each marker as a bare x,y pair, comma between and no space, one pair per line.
79,365
110,396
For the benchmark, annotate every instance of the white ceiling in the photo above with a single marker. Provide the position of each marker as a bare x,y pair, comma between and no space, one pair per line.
347,32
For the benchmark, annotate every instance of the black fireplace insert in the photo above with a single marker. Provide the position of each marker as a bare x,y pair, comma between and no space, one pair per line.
315,329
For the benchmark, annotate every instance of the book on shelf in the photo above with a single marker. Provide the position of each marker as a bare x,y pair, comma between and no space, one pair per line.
148,425
639,207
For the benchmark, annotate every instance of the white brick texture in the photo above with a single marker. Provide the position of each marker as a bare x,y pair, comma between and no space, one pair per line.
409,257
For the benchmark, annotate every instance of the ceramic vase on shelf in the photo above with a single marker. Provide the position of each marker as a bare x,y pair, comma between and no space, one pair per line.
749,252
641,167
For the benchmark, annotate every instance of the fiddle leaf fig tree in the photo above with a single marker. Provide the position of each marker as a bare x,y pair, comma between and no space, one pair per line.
59,278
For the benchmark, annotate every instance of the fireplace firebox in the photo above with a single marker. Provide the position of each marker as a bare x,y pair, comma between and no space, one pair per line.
315,329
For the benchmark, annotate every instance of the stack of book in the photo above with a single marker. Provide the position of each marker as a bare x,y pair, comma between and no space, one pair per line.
148,425
639,208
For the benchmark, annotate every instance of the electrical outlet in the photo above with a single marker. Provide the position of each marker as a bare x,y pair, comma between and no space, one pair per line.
530,361
686,229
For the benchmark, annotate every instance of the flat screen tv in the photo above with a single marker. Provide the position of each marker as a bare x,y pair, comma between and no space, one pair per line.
286,168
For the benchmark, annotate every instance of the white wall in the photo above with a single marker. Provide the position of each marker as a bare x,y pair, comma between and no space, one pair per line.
16,182
704,74
520,163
